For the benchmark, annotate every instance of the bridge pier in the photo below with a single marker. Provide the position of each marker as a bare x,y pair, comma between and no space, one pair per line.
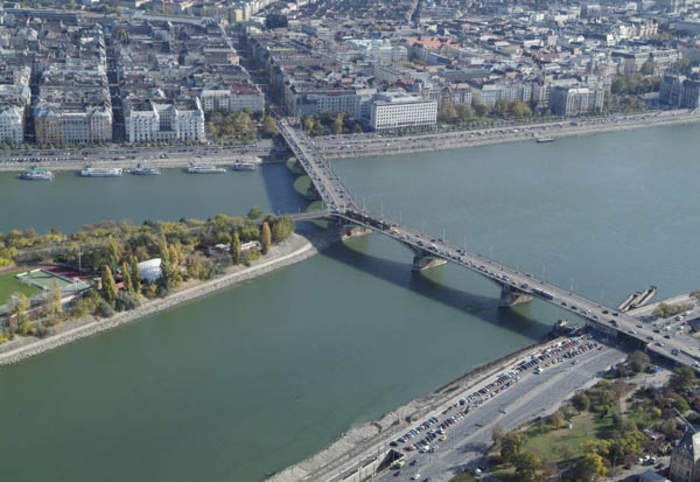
353,231
512,296
423,260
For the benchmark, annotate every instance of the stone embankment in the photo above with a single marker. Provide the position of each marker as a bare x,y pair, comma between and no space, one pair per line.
296,248
359,146
361,443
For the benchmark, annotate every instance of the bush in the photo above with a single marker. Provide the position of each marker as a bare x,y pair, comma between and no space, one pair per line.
126,301
581,402
103,310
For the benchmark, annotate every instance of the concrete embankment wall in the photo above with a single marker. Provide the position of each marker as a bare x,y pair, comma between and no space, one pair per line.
296,248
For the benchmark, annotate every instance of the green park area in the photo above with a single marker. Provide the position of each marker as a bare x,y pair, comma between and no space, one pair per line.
10,284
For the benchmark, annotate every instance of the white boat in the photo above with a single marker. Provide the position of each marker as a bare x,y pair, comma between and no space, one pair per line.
544,140
37,174
102,172
194,169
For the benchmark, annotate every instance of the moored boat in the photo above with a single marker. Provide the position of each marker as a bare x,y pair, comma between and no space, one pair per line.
145,171
102,172
200,169
244,166
543,140
37,174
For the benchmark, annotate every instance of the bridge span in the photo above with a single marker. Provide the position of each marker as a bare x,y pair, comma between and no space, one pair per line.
516,286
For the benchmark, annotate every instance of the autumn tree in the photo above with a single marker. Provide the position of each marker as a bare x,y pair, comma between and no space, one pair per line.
53,301
18,313
126,278
135,275
265,238
236,249
109,287
269,126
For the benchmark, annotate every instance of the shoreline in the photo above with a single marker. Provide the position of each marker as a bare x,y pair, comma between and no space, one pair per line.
527,132
299,247
365,441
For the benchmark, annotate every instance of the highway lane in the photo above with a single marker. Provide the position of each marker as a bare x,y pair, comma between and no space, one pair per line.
534,395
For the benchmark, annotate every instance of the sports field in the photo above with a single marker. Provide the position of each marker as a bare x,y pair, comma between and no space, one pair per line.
9,284
45,279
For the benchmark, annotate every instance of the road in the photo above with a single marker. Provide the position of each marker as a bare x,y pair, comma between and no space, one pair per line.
534,395
341,205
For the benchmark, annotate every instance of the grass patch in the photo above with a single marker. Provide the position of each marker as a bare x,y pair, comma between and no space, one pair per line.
563,445
9,284
463,477
302,184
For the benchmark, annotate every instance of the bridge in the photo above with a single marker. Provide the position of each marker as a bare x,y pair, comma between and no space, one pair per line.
428,251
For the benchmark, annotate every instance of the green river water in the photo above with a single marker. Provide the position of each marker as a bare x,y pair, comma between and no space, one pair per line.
259,376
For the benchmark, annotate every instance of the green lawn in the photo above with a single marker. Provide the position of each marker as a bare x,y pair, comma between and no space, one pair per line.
563,444
9,284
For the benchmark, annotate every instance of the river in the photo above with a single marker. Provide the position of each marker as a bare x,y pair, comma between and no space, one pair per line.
257,377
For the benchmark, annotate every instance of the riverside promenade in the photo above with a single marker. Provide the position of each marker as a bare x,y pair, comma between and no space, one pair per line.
293,250
333,147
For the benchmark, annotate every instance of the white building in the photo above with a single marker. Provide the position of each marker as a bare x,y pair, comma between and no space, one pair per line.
151,270
234,98
154,121
395,110
572,100
12,124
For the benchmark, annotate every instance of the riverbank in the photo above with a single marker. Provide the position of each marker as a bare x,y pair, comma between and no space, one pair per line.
365,145
293,250
363,444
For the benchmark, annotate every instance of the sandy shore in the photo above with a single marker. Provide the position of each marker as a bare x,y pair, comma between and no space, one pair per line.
296,248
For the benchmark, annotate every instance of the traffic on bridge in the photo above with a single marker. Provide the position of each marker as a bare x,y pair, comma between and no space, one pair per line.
516,285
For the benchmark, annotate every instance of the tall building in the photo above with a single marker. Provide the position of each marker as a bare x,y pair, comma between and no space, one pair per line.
161,120
233,98
678,91
570,100
396,110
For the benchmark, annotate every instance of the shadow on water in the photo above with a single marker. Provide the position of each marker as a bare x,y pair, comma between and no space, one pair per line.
279,186
429,285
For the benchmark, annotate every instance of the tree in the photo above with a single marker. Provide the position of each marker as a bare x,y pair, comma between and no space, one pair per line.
511,444
17,310
109,288
648,67
449,113
126,278
269,126
682,379
338,123
519,109
481,110
527,464
126,301
265,238
308,123
638,361
581,401
254,212
557,419
497,433
135,276
53,305
236,249
590,466
282,227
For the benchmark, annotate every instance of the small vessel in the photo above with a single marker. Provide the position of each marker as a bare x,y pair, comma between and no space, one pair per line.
244,166
102,172
37,174
140,170
544,140
199,169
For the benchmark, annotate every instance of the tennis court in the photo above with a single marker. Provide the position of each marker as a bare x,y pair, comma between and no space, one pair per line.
43,279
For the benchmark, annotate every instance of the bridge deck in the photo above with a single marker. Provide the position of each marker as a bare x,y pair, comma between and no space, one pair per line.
342,206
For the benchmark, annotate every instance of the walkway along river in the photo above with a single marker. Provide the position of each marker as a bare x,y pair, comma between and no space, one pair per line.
254,378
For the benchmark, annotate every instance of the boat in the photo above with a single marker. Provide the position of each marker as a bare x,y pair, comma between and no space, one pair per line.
102,172
544,140
140,170
37,174
244,166
198,169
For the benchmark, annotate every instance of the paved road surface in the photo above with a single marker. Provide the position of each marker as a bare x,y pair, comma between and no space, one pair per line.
534,395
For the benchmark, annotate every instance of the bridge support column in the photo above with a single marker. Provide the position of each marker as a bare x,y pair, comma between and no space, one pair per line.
422,260
347,232
511,296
